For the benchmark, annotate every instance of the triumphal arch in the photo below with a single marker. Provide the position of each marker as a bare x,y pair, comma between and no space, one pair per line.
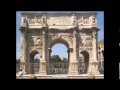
77,31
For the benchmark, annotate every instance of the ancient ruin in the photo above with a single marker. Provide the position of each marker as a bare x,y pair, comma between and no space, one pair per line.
77,31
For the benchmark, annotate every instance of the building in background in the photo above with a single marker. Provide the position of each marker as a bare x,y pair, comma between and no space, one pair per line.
101,55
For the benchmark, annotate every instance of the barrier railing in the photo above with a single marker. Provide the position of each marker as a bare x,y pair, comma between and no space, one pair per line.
61,68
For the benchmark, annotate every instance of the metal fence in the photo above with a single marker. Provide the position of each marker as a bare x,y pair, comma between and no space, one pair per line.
60,68
34,66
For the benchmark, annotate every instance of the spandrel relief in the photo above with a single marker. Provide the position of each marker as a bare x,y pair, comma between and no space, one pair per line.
43,66
54,37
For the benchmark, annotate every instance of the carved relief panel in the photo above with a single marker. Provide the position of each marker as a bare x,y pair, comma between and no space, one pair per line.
88,41
43,66
92,19
86,21
36,19
34,41
67,37
80,20
38,42
83,20
61,20
74,67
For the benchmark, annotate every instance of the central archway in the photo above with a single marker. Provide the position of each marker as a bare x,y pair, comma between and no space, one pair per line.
57,64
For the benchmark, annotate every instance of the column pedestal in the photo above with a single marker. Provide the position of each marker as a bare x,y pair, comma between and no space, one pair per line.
42,70
73,68
89,68
95,70
23,67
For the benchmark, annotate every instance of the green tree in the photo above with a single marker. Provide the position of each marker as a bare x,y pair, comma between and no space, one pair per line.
57,58
17,61
36,60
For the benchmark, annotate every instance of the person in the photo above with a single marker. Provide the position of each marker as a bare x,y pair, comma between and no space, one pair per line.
20,74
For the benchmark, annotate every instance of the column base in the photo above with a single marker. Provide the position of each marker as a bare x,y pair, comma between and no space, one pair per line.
42,73
73,68
95,70
73,73
42,68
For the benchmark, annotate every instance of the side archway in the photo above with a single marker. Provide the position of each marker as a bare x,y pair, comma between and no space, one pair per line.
34,62
85,61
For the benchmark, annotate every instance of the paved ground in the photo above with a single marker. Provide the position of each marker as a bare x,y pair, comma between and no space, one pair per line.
64,76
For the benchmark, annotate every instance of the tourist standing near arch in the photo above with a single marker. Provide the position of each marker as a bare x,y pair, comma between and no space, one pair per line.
20,74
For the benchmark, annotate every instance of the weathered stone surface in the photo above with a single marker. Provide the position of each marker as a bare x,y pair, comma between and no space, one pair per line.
43,30
33,76
90,76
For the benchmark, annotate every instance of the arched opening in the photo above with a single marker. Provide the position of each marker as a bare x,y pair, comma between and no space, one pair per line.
85,62
59,57
34,62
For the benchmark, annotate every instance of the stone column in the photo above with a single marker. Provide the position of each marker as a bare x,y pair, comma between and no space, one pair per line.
74,47
23,52
95,62
43,63
48,62
73,64
90,63
44,48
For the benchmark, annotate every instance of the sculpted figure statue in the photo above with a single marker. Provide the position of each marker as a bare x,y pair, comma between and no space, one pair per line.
74,23
31,21
93,20
24,20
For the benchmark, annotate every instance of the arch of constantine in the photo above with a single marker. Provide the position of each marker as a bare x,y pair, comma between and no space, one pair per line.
77,31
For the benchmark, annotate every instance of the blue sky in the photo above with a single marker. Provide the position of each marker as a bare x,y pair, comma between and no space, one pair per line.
57,49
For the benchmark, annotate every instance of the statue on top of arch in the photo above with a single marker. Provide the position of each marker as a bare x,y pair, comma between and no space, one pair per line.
74,20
